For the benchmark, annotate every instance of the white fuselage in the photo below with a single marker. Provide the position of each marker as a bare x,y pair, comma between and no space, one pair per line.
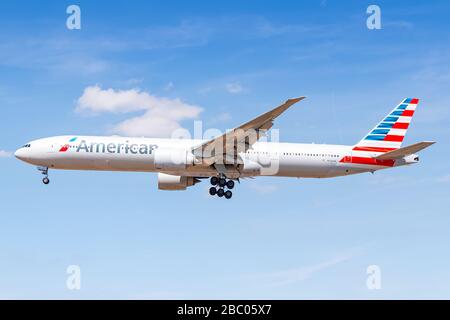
144,155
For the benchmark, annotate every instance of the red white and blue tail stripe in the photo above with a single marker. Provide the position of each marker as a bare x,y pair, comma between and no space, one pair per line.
387,136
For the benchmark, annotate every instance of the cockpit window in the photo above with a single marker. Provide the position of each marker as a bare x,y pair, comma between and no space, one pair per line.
27,146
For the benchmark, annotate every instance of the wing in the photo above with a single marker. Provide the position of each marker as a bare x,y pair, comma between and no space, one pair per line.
405,151
225,149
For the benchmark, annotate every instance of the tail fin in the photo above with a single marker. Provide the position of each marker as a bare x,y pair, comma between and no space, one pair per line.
388,135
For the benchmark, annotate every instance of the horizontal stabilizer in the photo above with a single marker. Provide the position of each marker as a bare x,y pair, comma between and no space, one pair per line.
405,151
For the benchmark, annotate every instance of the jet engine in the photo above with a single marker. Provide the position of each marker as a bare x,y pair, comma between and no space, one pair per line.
171,182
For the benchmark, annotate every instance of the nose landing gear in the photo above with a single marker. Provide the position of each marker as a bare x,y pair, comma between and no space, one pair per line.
219,185
44,171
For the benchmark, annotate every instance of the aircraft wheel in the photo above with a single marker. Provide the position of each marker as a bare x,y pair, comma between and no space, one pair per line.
222,182
212,191
220,192
46,180
214,181
228,194
230,184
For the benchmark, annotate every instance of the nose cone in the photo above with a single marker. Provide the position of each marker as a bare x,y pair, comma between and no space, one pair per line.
20,154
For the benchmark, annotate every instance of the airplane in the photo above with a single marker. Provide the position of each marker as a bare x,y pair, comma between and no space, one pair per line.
237,154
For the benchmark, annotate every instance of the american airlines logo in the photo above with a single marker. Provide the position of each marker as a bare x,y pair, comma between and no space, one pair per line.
112,147
66,147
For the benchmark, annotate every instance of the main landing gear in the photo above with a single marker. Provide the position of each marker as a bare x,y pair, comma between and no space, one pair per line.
219,183
44,171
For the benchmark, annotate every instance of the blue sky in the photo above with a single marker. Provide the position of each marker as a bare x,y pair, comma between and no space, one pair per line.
277,238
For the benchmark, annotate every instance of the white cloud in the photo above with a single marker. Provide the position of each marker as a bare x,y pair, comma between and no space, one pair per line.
160,118
234,88
97,100
5,154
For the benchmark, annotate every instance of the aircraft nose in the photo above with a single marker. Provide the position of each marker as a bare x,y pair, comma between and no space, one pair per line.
20,154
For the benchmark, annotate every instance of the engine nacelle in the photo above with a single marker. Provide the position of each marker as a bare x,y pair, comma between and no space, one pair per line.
171,182
173,159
